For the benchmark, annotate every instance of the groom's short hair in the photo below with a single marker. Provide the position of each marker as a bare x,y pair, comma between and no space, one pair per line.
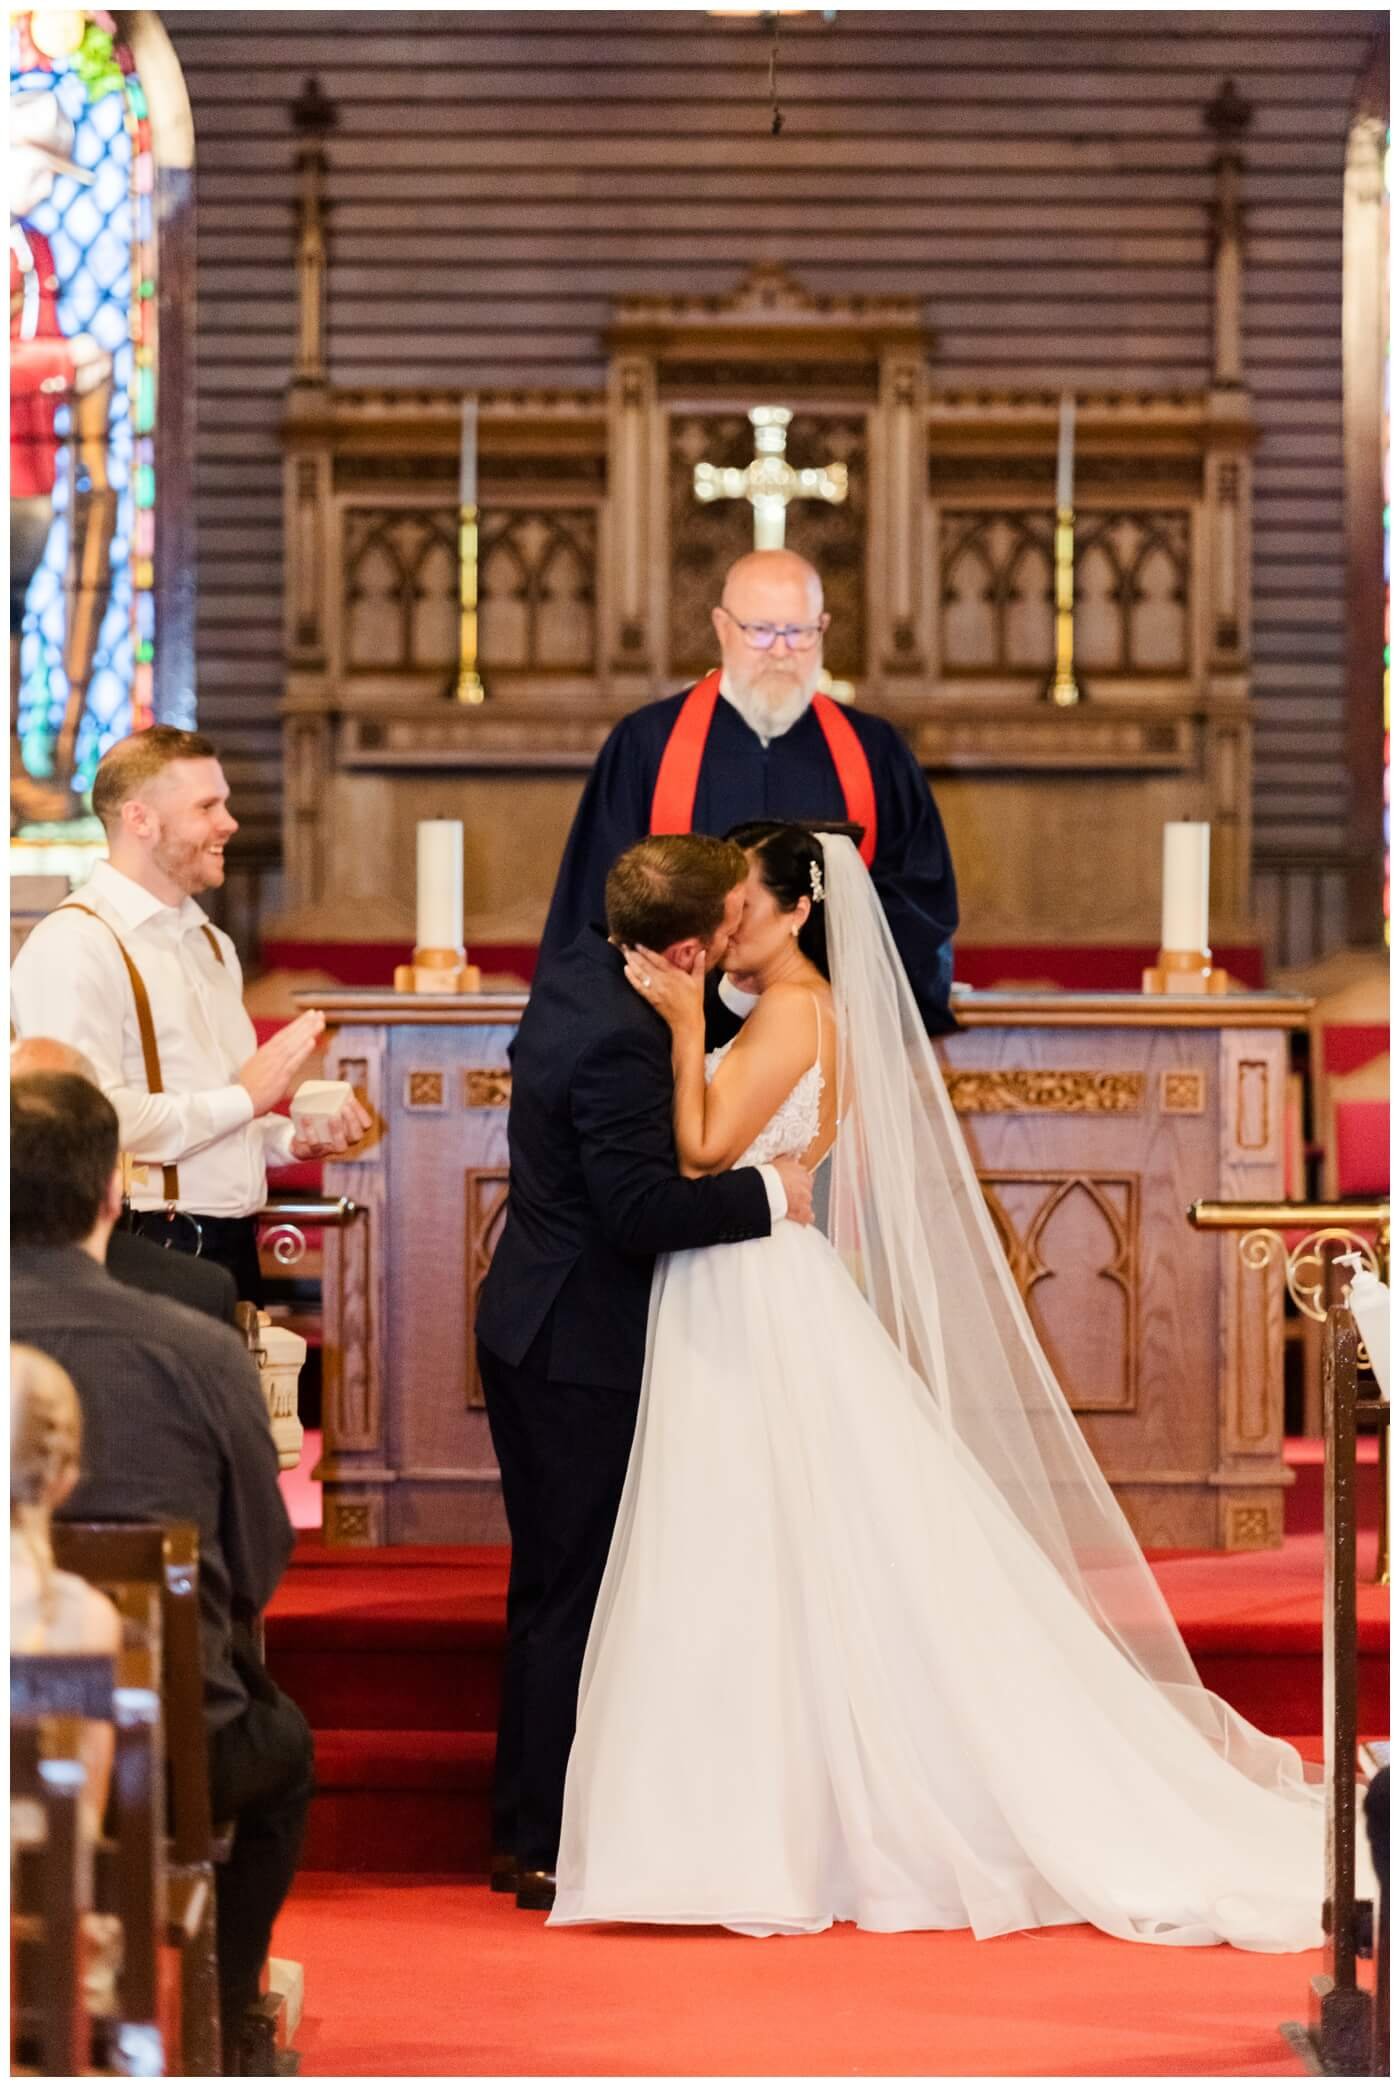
670,887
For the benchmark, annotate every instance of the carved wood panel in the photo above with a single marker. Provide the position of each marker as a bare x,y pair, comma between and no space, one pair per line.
1132,590
1012,1091
487,1195
1072,1242
399,607
353,1304
706,539
537,587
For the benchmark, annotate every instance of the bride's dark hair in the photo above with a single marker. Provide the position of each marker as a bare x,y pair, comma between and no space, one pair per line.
786,852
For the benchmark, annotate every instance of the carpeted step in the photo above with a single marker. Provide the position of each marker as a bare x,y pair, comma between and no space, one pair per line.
395,1656
398,1638
388,1800
1281,1692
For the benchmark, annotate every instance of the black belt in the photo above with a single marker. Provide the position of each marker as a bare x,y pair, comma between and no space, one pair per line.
188,1230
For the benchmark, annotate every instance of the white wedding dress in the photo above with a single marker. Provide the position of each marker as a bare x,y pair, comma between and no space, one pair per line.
832,1677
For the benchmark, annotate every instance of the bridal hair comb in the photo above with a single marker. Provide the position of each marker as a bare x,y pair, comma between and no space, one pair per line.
814,872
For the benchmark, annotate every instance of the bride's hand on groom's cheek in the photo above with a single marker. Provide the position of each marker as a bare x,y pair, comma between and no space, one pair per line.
677,995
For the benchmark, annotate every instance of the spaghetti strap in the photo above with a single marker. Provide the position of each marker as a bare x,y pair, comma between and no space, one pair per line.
818,1006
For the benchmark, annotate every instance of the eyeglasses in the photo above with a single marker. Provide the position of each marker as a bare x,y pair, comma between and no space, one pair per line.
800,637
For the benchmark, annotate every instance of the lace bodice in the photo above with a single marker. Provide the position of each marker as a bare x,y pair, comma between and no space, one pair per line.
795,1123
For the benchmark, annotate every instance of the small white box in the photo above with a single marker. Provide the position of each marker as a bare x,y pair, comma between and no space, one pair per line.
316,1101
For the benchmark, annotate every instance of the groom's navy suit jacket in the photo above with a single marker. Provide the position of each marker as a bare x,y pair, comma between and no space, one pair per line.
595,1194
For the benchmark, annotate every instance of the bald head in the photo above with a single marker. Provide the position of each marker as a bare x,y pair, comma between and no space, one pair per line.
46,1054
772,684
763,575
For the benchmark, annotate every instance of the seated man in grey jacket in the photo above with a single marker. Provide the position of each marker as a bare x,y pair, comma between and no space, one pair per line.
174,1429
130,1258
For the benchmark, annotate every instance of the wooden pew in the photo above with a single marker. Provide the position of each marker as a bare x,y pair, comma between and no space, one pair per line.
128,1561
51,1873
51,1695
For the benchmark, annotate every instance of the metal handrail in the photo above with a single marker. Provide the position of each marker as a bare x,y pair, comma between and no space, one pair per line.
1283,1216
308,1210
1309,1276
284,1216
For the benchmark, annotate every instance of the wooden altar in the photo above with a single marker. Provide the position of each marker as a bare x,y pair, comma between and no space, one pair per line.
598,568
1094,1121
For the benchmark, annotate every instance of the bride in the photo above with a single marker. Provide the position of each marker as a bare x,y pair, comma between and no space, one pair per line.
875,1642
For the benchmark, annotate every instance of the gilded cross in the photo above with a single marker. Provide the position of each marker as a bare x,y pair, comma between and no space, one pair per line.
769,482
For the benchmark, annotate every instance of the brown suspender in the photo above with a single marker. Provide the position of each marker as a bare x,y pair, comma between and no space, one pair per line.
145,1022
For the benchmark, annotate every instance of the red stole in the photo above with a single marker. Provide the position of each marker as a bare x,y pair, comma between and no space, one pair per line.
678,778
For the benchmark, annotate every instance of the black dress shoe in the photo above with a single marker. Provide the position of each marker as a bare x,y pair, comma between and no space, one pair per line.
534,1891
505,1871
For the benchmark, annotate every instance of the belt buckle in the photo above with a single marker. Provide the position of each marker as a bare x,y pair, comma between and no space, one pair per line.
173,1216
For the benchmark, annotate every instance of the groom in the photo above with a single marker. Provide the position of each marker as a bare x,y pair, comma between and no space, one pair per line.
561,1327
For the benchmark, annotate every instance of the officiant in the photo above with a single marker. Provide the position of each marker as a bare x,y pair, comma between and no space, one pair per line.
755,739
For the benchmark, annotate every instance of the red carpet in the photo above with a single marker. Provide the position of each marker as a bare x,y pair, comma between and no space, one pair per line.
421,1976
395,1657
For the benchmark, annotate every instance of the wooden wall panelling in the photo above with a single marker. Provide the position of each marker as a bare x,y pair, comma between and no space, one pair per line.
497,179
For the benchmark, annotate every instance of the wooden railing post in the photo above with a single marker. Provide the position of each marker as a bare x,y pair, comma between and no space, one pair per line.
1340,2013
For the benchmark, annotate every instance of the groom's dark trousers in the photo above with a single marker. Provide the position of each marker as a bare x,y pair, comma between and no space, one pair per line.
561,1335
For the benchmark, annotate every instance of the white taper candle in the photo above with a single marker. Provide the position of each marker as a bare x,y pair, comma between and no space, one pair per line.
1064,468
439,884
466,476
1186,884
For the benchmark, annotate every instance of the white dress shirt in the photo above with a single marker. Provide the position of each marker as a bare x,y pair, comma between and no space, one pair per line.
69,982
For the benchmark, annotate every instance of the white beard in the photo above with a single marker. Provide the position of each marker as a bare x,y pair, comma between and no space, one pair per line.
768,724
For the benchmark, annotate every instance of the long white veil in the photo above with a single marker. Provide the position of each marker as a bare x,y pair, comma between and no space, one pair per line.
909,1221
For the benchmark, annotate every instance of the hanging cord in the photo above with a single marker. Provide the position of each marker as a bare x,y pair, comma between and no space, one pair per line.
777,114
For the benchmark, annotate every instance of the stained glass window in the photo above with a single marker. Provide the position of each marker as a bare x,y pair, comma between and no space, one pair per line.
83,396
1388,553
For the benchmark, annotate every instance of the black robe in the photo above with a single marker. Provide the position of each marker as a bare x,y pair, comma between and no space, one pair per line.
793,777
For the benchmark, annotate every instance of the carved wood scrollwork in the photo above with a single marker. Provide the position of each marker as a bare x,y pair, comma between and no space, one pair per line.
1183,1093
487,1194
1252,1525
488,1087
355,1522
1036,1093
1072,1242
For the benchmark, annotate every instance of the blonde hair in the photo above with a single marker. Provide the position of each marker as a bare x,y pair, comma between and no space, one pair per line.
46,1428
126,768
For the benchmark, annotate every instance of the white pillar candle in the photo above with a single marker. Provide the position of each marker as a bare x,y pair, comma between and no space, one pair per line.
1186,884
1064,469
439,884
466,476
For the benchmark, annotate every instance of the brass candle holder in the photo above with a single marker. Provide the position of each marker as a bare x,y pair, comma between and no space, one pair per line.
1064,691
468,687
1184,971
438,971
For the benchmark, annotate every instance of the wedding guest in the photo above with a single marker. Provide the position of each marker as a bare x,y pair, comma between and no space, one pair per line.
188,1278
175,1430
131,973
53,1611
